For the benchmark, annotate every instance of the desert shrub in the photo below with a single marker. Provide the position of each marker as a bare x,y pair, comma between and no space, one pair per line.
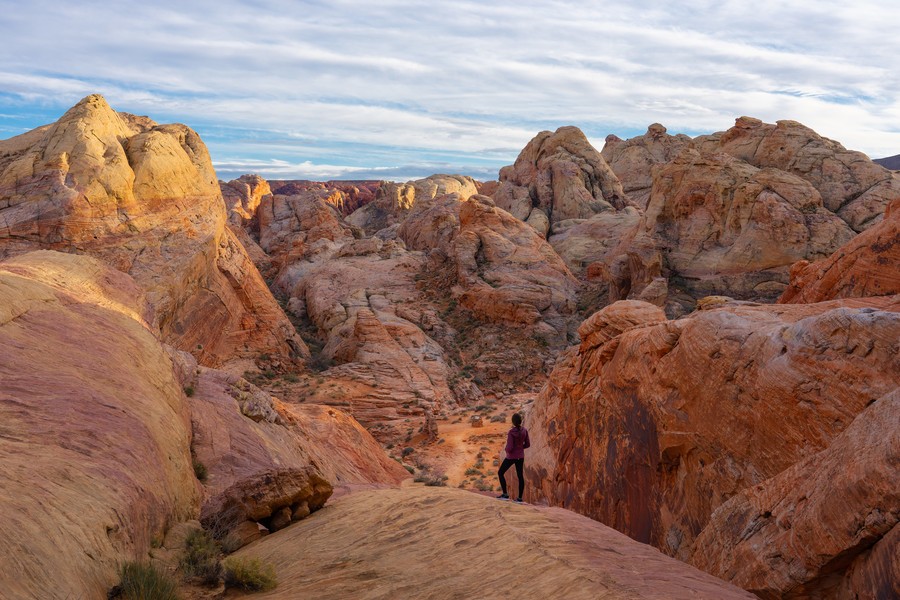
200,470
144,582
408,450
249,574
201,557
471,471
189,391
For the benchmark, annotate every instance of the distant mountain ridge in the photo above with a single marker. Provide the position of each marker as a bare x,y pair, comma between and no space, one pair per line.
890,162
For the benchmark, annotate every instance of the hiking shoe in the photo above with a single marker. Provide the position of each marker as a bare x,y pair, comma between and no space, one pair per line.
503,497
519,500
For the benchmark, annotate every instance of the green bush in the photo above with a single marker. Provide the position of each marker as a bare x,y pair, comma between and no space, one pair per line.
189,391
200,470
143,582
249,574
201,557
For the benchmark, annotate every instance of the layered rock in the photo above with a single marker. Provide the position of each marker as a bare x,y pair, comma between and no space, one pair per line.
477,545
394,201
94,443
633,160
652,425
817,526
144,198
242,197
558,176
864,266
507,272
852,186
345,196
717,225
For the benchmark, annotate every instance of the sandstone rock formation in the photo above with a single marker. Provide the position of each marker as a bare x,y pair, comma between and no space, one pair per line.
345,196
650,425
722,226
632,160
393,201
864,266
558,176
95,433
142,197
242,197
443,543
811,530
852,186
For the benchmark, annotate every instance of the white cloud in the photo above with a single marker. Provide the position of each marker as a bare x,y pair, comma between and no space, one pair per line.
464,78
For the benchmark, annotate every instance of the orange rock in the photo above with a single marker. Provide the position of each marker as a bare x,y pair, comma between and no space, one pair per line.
94,428
852,186
864,266
801,533
652,430
562,176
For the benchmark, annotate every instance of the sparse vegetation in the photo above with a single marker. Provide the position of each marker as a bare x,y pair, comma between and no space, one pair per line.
140,581
200,471
189,391
408,450
201,558
249,574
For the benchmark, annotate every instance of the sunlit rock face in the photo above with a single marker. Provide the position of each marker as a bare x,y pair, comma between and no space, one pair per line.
143,198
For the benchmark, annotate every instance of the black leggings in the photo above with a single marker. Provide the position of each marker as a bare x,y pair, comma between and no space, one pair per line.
520,466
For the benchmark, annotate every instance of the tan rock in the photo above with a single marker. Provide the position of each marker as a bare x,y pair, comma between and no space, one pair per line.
798,534
143,198
632,160
95,434
656,428
561,175
242,197
390,544
867,265
852,186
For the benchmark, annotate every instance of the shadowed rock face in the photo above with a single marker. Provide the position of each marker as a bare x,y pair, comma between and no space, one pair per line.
652,425
143,198
852,186
94,428
864,266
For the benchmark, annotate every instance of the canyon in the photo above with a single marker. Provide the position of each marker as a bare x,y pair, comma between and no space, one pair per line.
703,335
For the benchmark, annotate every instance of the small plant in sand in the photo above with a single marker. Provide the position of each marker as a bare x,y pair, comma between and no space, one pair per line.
249,574
200,471
142,581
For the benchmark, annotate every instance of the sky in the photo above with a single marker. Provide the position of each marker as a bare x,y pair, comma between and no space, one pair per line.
398,90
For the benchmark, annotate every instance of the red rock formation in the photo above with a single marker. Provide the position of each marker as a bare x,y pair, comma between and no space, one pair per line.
652,429
852,186
801,533
864,266
94,428
632,160
143,198
722,226
345,196
242,197
558,176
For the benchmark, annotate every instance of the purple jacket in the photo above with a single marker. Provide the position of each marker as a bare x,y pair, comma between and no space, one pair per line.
516,442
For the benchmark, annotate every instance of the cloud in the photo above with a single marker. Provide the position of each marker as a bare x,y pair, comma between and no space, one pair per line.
331,86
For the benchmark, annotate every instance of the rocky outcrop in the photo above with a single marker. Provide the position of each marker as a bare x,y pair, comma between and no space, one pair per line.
558,176
477,545
633,160
394,201
651,425
717,225
864,266
94,428
242,197
345,196
852,186
806,532
507,272
143,198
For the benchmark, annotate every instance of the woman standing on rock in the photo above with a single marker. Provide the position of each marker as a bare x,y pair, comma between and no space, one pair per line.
516,442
